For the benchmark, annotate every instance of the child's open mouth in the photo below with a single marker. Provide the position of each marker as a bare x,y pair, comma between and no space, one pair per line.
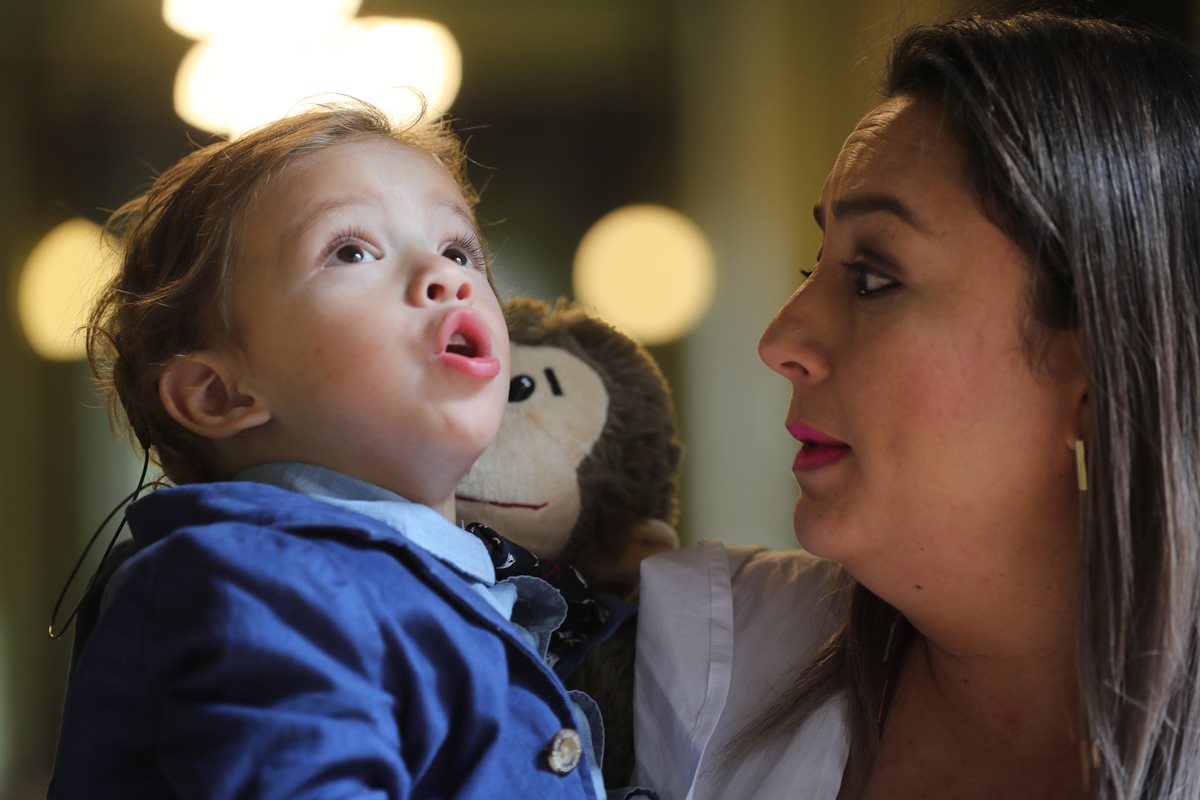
464,344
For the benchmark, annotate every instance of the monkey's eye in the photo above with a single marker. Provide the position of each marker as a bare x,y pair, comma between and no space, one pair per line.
519,388
555,389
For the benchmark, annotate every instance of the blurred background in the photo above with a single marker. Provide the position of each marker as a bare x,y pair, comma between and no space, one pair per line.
719,116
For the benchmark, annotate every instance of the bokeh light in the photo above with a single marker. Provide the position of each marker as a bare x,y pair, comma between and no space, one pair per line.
271,19
231,84
58,283
386,58
648,270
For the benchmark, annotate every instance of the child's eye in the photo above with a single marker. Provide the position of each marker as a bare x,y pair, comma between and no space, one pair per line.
466,254
869,282
456,255
350,253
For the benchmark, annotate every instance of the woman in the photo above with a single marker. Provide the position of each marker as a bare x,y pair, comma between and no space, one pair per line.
995,372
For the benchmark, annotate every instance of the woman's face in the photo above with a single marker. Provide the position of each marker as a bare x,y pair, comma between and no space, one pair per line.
934,450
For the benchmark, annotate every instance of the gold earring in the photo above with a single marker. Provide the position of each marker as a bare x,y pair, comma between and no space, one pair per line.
1089,748
1080,465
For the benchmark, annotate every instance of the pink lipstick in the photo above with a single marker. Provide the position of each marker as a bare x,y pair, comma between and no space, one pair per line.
464,344
817,449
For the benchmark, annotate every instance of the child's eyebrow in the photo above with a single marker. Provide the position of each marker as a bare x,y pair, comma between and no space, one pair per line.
322,208
460,212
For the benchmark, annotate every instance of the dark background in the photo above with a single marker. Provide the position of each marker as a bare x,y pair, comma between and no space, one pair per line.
571,108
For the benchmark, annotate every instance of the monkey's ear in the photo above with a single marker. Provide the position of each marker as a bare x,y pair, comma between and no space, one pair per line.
646,538
200,392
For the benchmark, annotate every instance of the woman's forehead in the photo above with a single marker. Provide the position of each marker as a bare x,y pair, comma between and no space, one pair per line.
902,130
902,146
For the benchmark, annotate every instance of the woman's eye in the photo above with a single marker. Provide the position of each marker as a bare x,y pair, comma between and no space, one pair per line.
868,282
350,253
805,274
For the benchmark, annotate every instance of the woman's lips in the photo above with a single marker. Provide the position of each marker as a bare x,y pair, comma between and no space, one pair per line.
817,448
465,345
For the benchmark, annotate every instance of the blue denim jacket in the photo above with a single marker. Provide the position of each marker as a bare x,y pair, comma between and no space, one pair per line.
261,643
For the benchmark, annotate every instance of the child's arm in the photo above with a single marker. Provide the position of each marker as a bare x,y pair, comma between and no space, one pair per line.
267,665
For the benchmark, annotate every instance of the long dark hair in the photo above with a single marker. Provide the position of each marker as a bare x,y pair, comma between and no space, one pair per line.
1083,145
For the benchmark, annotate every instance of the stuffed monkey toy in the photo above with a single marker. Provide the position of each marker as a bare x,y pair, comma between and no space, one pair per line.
584,470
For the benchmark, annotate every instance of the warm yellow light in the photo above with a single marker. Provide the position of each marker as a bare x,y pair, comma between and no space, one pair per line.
387,58
229,86
648,270
269,19
58,284
232,84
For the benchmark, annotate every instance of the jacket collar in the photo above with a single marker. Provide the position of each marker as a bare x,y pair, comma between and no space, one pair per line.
309,500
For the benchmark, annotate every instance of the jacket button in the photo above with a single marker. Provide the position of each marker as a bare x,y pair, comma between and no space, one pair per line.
566,749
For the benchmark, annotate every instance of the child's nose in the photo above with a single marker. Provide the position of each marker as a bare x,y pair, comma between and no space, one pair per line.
440,281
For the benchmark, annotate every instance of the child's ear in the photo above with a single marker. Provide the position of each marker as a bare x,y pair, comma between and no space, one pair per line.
200,392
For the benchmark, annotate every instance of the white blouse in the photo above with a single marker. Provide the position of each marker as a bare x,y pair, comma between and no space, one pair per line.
720,632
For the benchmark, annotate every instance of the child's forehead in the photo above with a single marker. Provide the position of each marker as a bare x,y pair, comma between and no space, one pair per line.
369,151
376,164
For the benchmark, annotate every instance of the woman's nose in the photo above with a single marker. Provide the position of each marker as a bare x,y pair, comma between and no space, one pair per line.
790,344
440,280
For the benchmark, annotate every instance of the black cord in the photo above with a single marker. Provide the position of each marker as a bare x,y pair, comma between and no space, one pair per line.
129,498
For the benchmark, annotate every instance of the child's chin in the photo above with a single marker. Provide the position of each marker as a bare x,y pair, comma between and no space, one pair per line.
474,444
488,429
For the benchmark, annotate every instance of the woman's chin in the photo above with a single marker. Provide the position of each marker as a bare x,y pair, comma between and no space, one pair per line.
813,532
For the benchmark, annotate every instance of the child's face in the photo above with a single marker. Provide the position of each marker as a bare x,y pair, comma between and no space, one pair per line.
364,318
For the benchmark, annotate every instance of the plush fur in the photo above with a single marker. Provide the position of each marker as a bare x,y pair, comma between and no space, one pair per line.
627,484
631,473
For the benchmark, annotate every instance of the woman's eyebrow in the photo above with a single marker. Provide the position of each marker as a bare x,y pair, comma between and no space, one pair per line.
859,205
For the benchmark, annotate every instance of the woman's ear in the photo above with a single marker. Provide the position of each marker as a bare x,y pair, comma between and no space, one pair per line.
200,392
